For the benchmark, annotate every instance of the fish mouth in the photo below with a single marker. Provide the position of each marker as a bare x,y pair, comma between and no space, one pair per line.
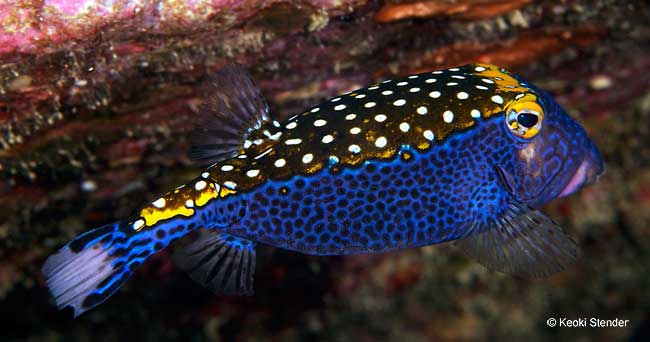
576,181
587,173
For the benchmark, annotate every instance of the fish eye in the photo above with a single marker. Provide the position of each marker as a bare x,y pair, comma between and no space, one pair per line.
524,119
527,120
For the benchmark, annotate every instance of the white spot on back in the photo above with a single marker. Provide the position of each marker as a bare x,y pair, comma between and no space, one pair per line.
373,88
428,135
403,83
275,136
414,90
291,125
320,123
350,117
280,162
227,168
252,173
336,99
437,72
475,113
327,139
354,148
519,96
200,185
497,99
413,76
479,69
434,94
307,158
205,175
355,130
381,142
448,116
387,92
340,107
453,69
431,80
230,185
314,110
293,141
404,127
481,87
487,80
159,203
452,84
189,203
360,96
399,103
462,95
380,117
422,110
369,104
458,77
138,224
267,151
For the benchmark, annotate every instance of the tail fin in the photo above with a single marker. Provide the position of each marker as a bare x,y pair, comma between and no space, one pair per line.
90,268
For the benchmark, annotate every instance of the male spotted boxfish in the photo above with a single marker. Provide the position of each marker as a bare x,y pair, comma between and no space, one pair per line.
464,154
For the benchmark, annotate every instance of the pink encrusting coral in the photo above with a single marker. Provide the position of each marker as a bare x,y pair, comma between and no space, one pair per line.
28,26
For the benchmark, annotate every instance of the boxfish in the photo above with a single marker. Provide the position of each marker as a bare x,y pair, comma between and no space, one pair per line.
467,154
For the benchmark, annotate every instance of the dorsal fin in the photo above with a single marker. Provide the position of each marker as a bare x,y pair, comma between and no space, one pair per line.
233,109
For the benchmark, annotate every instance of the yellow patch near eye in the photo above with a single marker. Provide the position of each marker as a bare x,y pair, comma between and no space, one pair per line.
503,81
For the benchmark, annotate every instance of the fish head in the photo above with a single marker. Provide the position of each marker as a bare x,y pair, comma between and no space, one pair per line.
551,154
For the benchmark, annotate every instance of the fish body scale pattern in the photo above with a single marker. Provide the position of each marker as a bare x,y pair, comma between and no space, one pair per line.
416,199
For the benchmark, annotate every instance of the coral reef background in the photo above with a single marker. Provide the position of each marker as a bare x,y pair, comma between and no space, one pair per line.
96,100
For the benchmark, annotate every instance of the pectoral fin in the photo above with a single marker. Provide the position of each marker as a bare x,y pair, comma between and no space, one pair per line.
521,241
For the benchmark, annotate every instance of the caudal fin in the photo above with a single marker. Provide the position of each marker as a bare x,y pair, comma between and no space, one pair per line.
89,269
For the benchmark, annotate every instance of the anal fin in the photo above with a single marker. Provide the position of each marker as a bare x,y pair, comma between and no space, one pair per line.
223,263
521,241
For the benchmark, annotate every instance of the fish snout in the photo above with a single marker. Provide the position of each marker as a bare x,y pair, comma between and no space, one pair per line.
595,167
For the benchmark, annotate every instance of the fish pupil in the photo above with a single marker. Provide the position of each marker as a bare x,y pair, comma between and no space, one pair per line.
527,119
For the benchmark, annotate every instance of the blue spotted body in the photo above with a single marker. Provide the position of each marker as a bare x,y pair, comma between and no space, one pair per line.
462,154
